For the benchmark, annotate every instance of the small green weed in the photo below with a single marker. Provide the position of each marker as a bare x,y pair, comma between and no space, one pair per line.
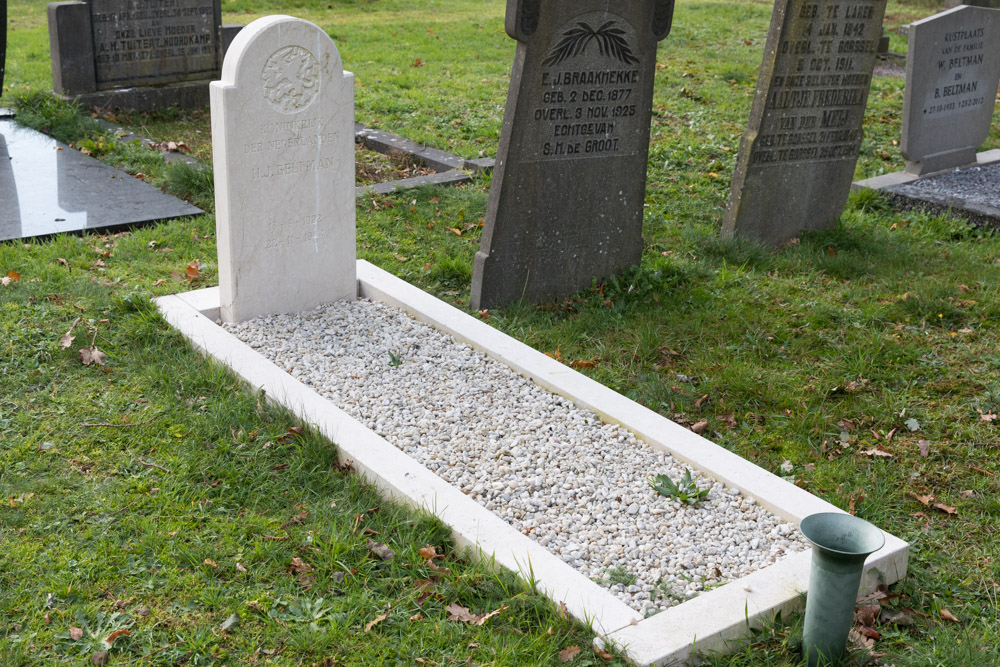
618,575
686,490
395,359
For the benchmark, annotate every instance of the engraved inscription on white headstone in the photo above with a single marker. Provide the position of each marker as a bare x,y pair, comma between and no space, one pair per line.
283,142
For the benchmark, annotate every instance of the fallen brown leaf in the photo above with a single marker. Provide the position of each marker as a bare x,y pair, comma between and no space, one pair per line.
299,565
429,552
416,617
948,616
569,653
375,621
701,401
948,509
436,568
485,617
91,355
601,653
115,635
867,614
193,270
583,363
75,633
925,448
876,452
860,640
897,616
65,263
924,500
699,425
381,550
457,612
869,632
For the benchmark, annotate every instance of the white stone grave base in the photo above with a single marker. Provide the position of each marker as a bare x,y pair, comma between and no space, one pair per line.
712,622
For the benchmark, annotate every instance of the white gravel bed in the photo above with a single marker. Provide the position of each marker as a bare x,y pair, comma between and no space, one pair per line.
556,473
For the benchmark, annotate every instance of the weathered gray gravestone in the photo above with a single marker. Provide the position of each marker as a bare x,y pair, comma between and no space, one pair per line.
283,147
952,73
138,54
565,207
796,160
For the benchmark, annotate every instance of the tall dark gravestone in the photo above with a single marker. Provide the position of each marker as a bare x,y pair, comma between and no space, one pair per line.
136,54
796,160
565,207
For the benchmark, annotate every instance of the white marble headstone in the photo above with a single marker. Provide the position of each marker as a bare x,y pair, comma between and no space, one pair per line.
952,72
283,143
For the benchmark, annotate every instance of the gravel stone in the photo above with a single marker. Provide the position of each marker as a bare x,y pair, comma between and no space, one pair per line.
978,184
556,473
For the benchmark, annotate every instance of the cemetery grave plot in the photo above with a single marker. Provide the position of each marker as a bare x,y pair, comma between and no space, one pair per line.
48,188
950,96
286,241
372,167
971,192
558,474
716,617
393,162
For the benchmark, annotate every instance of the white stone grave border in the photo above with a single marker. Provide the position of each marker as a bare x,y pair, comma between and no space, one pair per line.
711,622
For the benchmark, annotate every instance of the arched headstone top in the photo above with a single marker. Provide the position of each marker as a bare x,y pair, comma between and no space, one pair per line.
288,56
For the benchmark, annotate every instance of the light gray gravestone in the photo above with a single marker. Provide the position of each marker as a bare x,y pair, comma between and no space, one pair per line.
952,74
283,146
797,157
565,207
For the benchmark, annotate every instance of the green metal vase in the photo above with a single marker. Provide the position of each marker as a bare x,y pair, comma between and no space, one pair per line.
841,544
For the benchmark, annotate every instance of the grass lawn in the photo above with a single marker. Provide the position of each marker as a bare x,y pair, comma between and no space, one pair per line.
154,502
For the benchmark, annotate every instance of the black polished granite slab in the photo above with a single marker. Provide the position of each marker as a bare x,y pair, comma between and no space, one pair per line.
48,188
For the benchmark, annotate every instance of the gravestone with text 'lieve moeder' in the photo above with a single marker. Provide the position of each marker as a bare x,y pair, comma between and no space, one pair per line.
137,54
797,157
283,148
952,73
565,207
